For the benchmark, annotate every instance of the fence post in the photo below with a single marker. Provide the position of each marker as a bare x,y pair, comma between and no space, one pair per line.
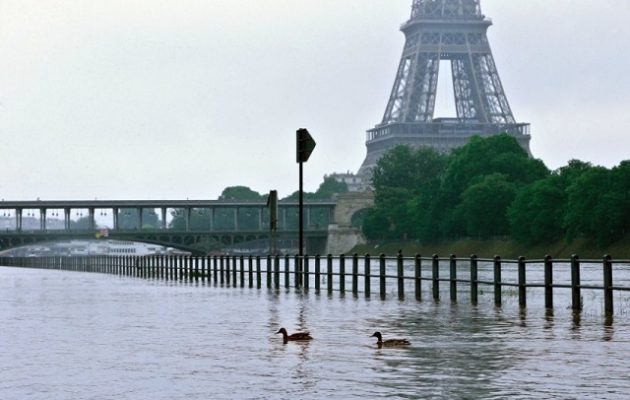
576,301
342,273
297,271
250,267
418,276
258,273
215,269
287,271
497,281
276,271
197,268
453,277
208,268
436,277
191,268
241,262
474,277
548,282
306,272
522,283
401,276
355,274
329,273
222,268
229,270
608,284
317,272
381,278
367,275
269,270
234,271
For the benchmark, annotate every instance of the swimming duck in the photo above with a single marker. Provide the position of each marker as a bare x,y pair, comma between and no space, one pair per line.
298,336
389,342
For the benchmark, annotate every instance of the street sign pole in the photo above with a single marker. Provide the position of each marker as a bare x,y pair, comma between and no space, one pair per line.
304,147
301,211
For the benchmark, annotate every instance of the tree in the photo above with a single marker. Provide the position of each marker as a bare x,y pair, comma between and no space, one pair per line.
409,168
405,180
329,188
326,191
585,196
234,193
483,207
469,164
539,210
537,213
599,204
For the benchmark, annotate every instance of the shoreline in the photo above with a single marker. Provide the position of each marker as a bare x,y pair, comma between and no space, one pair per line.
507,249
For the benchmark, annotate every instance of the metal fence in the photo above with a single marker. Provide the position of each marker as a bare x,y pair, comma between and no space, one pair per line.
391,276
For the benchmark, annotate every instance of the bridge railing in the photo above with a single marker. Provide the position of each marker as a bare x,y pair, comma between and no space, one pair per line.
544,280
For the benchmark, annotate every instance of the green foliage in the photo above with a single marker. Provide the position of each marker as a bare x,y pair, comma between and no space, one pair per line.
491,187
467,166
536,215
235,193
483,205
326,191
329,188
405,182
599,204
539,211
408,168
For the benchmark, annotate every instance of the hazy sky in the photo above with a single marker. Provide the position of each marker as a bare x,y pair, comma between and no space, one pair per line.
157,99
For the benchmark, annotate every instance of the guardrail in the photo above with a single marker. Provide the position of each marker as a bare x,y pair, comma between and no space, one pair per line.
343,273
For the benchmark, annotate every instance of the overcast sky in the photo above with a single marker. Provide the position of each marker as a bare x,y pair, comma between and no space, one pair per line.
158,99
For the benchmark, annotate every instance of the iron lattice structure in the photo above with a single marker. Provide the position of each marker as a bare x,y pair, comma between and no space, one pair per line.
453,30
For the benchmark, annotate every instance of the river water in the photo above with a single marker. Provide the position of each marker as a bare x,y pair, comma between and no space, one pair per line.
72,335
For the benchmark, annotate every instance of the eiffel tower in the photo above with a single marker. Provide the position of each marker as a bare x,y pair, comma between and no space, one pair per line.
453,30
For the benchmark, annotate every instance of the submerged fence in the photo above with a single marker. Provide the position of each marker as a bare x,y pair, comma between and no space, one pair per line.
343,274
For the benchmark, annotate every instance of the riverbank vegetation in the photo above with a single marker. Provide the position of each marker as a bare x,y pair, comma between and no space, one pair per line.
491,192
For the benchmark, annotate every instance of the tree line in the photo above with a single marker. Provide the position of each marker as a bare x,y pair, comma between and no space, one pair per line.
491,188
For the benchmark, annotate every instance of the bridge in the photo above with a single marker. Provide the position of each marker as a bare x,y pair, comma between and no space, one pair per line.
182,224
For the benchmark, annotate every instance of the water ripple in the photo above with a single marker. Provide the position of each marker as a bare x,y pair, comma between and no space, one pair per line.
80,336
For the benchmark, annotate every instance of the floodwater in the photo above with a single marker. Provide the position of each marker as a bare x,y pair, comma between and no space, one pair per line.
73,335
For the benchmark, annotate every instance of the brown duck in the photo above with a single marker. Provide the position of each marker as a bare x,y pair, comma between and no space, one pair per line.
389,342
294,337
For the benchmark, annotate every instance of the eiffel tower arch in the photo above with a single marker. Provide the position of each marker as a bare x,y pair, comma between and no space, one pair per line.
453,30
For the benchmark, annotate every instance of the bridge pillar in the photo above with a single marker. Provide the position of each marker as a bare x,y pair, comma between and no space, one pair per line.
91,222
260,219
66,218
115,212
18,219
236,213
187,212
211,214
42,219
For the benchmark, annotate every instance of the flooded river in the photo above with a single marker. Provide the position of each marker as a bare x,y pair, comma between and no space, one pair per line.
73,335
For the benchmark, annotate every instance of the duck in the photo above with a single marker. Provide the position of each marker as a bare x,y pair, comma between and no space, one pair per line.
294,337
389,342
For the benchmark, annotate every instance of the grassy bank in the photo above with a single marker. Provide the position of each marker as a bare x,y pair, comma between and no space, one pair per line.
505,248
